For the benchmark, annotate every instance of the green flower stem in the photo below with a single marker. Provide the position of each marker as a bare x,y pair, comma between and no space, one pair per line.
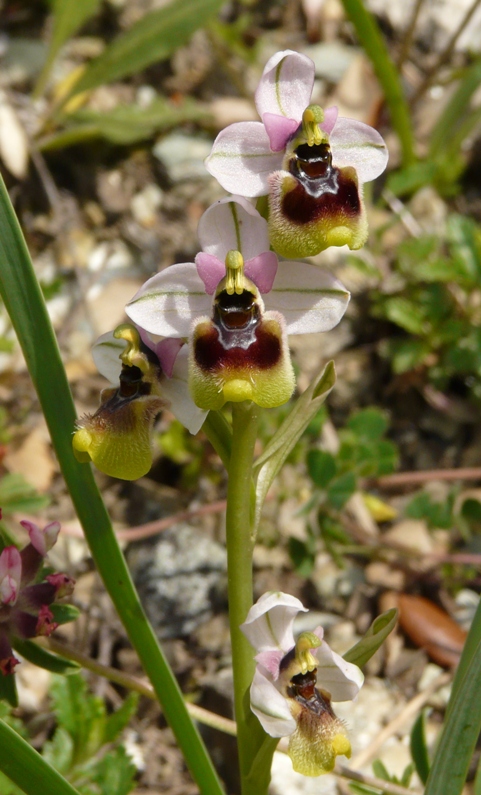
240,546
27,769
23,299
371,39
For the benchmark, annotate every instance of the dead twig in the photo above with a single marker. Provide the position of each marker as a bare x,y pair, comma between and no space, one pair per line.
444,56
400,479
407,713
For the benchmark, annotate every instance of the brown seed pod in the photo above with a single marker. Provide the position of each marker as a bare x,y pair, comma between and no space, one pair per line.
430,628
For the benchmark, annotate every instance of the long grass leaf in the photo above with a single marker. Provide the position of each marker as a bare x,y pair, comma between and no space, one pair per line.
372,41
23,299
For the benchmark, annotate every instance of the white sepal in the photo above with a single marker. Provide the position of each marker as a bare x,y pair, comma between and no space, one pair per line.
270,707
241,159
168,302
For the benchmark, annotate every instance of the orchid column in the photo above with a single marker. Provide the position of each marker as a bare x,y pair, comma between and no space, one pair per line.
215,332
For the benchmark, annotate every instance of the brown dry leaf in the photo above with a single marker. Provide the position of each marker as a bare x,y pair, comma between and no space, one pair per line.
34,459
431,628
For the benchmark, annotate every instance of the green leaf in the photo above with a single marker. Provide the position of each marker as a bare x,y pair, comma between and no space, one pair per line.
62,614
380,770
18,496
454,111
321,466
8,691
377,633
410,179
341,489
26,768
407,354
114,773
461,729
419,749
44,659
153,38
59,751
305,408
125,124
118,720
369,424
302,557
68,17
405,313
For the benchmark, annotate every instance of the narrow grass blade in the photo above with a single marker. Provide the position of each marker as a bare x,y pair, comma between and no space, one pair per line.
153,38
68,17
460,733
372,41
23,299
27,769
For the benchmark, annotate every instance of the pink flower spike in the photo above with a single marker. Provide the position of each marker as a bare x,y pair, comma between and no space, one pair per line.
45,624
330,118
262,270
10,575
42,540
63,584
279,129
7,665
210,269
167,351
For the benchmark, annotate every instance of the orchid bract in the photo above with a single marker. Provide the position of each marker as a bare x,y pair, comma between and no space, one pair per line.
310,162
294,683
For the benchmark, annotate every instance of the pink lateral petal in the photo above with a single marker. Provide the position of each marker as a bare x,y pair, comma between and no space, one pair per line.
211,270
270,660
10,574
167,351
330,118
262,270
279,129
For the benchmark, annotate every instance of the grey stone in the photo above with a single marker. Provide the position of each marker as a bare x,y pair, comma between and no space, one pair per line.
181,579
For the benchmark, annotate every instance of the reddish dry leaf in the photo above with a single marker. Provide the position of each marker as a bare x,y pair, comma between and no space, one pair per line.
431,629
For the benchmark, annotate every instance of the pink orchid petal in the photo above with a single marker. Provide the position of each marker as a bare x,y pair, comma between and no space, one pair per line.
286,84
270,660
211,270
279,129
167,351
242,159
356,144
330,118
262,270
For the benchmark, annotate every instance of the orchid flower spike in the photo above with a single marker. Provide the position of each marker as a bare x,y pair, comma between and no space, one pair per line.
236,304
153,376
311,163
294,683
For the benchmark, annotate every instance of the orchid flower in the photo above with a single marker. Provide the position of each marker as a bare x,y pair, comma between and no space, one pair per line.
236,304
153,376
311,163
25,599
294,683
